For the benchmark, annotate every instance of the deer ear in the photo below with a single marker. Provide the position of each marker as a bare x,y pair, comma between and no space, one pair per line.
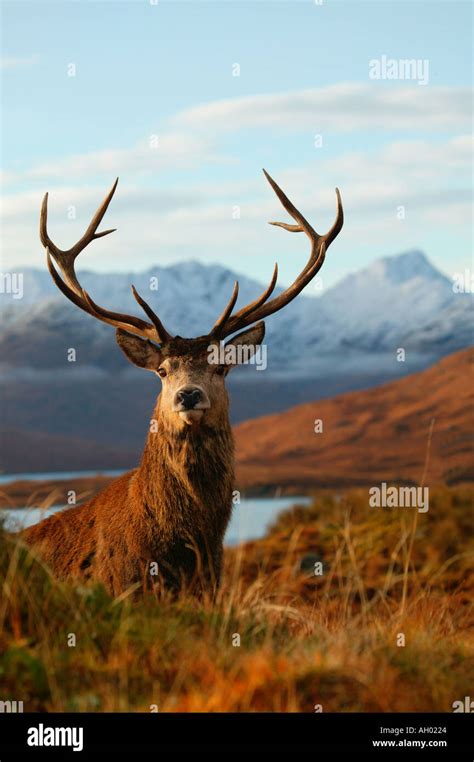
242,347
139,351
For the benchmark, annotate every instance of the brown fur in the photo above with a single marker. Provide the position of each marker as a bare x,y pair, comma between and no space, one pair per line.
172,510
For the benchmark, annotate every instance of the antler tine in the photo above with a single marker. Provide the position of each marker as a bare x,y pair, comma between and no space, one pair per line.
245,310
261,299
260,309
65,257
221,321
339,222
160,329
303,225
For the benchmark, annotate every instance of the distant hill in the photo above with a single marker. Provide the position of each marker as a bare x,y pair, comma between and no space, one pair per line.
369,436
380,434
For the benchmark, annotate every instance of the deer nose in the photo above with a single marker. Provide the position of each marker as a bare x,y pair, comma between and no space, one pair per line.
188,398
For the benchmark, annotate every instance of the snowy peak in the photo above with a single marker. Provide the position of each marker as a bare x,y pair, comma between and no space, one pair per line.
379,307
395,271
405,267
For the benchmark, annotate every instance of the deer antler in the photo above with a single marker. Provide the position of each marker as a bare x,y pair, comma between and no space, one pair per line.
260,308
227,323
73,290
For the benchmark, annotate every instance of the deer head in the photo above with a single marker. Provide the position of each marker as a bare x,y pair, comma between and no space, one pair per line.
193,392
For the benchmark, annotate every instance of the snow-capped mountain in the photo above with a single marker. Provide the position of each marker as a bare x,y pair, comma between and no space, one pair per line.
189,297
376,307
399,301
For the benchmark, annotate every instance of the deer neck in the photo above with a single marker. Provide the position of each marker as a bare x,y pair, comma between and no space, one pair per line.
186,476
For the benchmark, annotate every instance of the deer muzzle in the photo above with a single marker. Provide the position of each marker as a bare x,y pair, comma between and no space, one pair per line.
191,402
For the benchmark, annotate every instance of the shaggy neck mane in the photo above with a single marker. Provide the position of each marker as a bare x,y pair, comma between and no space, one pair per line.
186,474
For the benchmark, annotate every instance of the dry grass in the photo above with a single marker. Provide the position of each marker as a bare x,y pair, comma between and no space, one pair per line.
304,639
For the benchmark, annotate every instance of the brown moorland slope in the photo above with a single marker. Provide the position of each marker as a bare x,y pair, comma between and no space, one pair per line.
368,436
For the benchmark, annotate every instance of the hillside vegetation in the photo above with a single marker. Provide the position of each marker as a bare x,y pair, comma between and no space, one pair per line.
279,637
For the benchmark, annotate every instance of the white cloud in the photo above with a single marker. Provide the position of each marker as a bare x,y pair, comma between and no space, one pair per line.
339,108
413,171
430,178
187,144
154,226
177,150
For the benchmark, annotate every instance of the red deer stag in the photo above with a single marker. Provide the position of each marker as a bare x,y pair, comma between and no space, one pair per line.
171,513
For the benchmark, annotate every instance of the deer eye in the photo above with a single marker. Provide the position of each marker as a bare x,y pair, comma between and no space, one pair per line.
162,372
220,370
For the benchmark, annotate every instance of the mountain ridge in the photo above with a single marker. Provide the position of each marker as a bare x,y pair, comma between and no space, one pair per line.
396,300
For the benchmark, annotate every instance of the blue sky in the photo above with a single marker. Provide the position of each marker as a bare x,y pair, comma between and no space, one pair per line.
154,100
